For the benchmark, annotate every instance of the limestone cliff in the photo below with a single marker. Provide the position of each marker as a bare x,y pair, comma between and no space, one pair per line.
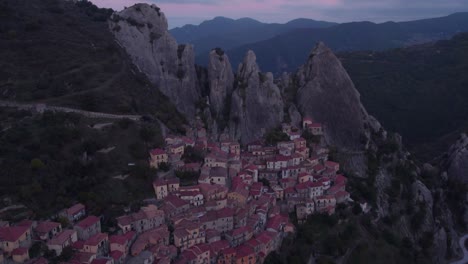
457,160
221,81
256,104
328,95
142,30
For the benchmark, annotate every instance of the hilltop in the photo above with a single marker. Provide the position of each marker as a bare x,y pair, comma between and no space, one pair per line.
286,51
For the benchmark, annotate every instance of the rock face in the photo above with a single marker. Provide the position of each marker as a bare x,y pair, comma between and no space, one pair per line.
257,105
327,94
143,31
221,81
457,161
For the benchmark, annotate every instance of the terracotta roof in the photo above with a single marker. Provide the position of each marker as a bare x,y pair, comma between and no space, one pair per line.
75,209
78,245
341,194
12,233
175,201
252,242
244,251
88,221
240,230
340,179
228,251
83,257
225,212
315,125
96,239
121,239
157,151
116,254
46,226
61,238
217,246
19,251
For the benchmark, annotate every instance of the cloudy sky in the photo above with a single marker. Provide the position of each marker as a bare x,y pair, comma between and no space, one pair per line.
181,12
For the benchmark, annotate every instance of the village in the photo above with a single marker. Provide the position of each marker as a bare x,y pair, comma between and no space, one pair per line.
237,209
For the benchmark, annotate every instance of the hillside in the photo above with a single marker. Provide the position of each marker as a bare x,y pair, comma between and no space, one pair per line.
418,91
59,53
229,33
285,52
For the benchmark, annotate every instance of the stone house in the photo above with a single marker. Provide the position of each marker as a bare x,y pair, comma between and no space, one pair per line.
62,240
88,227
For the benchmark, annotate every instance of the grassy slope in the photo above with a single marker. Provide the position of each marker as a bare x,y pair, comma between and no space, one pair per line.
60,53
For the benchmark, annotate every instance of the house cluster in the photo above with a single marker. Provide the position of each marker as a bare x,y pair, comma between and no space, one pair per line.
237,211
82,235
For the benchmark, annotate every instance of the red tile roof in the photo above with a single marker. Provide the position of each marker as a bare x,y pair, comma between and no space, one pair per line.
62,237
19,251
96,239
78,245
121,239
217,246
46,226
240,230
116,255
315,125
157,151
75,209
88,221
244,251
12,233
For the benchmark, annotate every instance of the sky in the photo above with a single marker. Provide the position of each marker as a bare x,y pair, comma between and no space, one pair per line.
181,12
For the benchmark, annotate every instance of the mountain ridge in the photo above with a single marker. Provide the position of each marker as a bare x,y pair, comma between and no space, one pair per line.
285,52
226,32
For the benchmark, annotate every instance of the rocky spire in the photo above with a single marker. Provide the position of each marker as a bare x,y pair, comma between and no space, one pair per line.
257,105
143,31
328,95
456,162
221,80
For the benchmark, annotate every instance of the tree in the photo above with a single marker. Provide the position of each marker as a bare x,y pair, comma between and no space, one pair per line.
37,164
192,155
357,209
275,136
147,134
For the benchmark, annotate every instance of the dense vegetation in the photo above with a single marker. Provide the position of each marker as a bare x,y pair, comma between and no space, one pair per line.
287,51
51,160
61,53
418,91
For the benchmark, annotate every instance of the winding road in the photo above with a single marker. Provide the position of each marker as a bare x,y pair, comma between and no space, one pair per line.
461,242
40,107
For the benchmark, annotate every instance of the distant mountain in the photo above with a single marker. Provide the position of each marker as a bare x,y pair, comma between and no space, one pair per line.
420,91
286,52
229,33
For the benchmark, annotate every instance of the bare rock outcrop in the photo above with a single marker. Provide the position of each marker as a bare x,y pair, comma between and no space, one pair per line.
221,81
327,94
142,30
257,105
457,161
